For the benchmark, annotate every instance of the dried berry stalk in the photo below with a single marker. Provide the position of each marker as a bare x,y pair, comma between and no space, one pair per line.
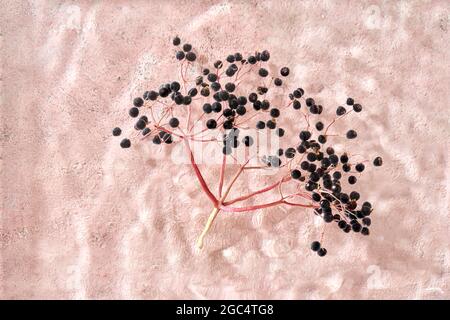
244,111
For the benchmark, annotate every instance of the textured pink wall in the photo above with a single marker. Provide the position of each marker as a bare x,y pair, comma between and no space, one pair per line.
81,218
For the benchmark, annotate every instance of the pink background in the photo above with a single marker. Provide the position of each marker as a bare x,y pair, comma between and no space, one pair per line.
81,218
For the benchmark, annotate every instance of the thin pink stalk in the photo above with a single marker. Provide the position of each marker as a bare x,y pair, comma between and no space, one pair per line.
230,185
334,120
200,178
222,174
248,196
265,205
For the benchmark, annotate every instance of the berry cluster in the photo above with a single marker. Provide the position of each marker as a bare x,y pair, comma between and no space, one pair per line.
218,98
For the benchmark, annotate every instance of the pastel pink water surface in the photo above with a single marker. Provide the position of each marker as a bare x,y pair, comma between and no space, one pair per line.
83,219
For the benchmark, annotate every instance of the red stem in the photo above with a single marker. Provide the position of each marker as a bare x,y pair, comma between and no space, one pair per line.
248,196
265,205
199,175
222,174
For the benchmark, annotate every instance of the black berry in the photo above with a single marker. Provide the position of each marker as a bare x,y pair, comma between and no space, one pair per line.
274,113
340,111
322,252
138,102
315,246
211,124
351,134
378,162
176,41
174,122
296,174
319,126
284,71
116,131
248,141
360,167
180,56
187,47
125,143
190,56
263,72
134,112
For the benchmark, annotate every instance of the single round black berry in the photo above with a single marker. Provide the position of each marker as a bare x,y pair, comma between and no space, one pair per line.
138,102
248,141
164,92
187,47
351,134
305,135
156,140
116,131
296,174
352,179
175,86
180,56
378,162
311,156
354,195
340,111
190,56
356,227
271,124
212,77
192,92
275,113
289,153
146,131
211,124
207,108
241,110
322,139
230,87
187,100
176,41
315,246
310,102
134,112
205,92
360,167
284,71
322,252
263,72
260,125
342,224
228,124
365,231
231,58
216,107
280,132
319,126
265,55
174,122
140,124
218,64
125,143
